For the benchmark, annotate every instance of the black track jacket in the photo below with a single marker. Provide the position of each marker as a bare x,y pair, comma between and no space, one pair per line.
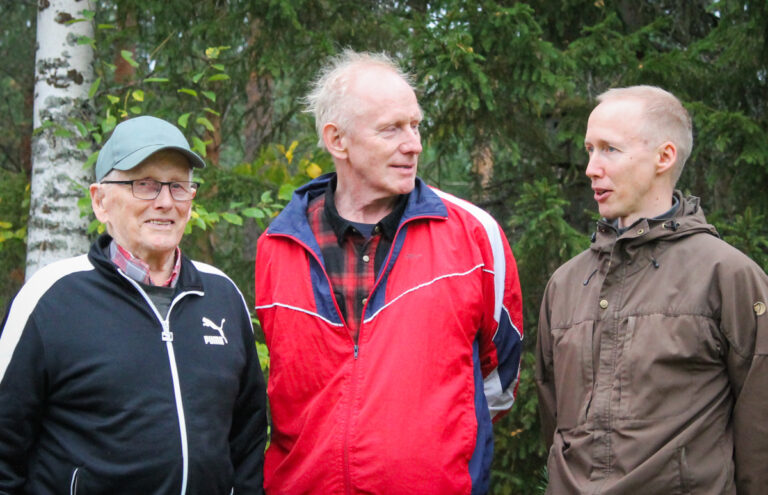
101,394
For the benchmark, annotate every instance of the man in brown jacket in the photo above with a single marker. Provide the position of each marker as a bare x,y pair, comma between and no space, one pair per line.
652,366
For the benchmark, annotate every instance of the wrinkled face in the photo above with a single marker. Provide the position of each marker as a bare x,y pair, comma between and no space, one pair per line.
383,143
622,163
149,228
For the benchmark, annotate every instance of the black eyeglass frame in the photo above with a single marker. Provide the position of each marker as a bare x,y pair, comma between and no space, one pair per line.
193,185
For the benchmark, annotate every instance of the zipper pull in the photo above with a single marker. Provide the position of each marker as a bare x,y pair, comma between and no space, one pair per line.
167,335
356,351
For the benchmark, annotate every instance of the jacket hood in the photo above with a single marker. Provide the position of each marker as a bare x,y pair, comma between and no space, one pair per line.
689,219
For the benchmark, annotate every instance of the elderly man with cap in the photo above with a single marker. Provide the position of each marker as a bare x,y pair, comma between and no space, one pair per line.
132,369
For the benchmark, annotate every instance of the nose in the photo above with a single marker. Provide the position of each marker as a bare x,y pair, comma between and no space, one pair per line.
412,142
164,198
594,168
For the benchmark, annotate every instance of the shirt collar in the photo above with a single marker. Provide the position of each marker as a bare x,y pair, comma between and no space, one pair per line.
667,214
388,225
137,269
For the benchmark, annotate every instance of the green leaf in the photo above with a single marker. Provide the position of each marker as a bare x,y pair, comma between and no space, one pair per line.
266,197
198,145
137,95
219,67
232,218
286,191
205,123
91,160
253,213
108,124
183,119
85,40
128,57
94,87
211,110
113,99
196,78
80,127
218,77
83,145
210,95
156,80
187,91
88,14
62,132
136,110
106,26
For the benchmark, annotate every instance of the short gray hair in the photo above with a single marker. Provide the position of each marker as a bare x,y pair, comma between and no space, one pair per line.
329,99
666,119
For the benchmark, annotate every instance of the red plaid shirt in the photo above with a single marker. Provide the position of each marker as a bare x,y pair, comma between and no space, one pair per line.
137,269
351,261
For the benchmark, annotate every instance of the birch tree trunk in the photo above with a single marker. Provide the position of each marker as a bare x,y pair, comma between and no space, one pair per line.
63,75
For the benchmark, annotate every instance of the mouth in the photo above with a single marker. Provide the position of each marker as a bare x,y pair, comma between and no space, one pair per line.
601,194
160,222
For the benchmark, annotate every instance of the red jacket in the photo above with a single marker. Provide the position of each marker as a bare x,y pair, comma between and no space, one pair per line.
409,408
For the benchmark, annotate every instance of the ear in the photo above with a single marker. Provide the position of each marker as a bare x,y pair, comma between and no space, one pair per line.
666,158
97,202
334,141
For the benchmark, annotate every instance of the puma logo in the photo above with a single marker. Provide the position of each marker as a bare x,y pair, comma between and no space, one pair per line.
220,339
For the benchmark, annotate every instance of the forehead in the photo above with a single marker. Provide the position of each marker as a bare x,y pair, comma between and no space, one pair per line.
161,164
381,94
616,120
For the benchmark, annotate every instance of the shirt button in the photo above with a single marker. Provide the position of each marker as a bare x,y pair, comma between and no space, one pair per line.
365,300
640,231
603,303
377,229
366,258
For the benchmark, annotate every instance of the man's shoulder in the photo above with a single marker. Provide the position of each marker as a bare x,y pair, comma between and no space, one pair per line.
715,252
54,272
577,267
215,275
206,269
459,208
51,281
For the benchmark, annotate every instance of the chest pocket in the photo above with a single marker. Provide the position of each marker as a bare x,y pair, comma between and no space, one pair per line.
666,364
574,372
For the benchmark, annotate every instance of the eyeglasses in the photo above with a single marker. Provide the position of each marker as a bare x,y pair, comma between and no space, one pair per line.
150,188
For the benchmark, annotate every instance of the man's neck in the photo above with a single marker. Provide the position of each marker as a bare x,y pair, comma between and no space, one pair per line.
360,209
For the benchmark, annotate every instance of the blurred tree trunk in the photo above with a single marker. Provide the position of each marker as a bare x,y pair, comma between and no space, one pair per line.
258,105
482,165
63,76
126,19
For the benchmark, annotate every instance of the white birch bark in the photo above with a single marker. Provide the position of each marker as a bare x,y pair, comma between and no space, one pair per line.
63,75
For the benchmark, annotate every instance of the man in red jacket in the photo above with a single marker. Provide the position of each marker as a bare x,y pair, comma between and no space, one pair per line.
392,310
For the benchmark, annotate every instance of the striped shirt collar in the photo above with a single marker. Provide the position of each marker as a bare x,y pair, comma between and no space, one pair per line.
137,269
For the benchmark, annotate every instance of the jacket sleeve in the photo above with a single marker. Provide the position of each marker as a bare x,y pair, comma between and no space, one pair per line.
744,320
22,394
248,436
501,335
544,374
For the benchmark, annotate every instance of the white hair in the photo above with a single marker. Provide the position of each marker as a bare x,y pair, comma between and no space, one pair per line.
329,99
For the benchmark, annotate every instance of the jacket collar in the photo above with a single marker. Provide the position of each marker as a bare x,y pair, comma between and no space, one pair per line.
189,278
292,221
689,219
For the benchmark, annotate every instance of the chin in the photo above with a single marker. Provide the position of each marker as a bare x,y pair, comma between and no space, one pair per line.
406,187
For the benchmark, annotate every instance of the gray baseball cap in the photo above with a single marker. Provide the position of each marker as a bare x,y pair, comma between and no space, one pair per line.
134,140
